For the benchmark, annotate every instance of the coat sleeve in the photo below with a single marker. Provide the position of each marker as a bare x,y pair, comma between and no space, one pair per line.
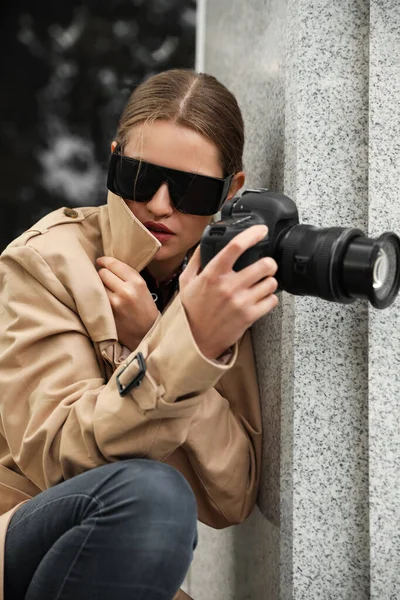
221,457
60,417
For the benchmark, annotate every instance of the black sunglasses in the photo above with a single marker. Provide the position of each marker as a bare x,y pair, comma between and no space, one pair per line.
190,193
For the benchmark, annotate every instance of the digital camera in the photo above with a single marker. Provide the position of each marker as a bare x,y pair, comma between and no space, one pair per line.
338,264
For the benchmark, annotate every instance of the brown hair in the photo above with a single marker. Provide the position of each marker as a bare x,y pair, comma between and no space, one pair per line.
195,100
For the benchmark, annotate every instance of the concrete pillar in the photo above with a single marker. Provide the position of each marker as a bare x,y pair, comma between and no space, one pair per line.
325,536
318,83
384,326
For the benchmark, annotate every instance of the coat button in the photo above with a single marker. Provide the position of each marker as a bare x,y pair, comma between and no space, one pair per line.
70,212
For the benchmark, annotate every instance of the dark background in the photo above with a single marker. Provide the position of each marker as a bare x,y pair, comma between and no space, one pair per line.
66,71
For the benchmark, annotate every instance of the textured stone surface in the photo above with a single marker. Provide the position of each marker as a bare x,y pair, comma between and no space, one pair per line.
211,574
245,49
230,564
384,330
326,172
300,71
245,46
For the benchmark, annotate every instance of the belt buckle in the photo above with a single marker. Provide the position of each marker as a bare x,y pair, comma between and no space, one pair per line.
137,380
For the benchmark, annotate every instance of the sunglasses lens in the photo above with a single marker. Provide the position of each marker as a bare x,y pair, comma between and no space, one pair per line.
195,194
132,179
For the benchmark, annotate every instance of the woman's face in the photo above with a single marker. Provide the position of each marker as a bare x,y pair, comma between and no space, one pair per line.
177,147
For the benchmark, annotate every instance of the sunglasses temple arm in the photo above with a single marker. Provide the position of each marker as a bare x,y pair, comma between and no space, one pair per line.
226,188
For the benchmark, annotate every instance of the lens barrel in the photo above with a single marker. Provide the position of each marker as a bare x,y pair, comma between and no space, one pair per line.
371,269
339,264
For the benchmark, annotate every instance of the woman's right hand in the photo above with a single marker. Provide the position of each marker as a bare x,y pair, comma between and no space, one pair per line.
221,303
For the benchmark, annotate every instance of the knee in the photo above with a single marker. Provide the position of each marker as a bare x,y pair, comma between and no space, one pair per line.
154,490
163,490
149,516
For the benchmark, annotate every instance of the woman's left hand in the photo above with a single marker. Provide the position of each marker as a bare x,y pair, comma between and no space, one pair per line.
135,311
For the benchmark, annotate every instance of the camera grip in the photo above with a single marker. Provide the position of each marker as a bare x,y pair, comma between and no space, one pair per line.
212,243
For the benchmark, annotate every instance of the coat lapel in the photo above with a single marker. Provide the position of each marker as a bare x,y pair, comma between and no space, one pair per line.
124,236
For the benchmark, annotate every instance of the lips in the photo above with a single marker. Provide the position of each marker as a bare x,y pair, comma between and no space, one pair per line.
157,227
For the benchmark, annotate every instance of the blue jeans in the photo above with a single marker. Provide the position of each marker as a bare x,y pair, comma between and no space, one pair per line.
122,531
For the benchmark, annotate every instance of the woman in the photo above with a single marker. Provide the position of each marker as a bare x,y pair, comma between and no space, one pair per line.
127,407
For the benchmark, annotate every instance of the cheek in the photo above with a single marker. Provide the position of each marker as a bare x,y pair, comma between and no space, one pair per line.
134,207
194,227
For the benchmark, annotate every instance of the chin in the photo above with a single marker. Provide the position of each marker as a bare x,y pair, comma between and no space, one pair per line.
164,254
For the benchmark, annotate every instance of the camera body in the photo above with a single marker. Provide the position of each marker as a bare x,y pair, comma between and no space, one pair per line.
338,264
254,207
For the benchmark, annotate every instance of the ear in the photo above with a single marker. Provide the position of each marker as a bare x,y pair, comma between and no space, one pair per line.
237,183
114,144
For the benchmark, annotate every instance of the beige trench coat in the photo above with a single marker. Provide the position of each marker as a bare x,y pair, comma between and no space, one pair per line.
60,410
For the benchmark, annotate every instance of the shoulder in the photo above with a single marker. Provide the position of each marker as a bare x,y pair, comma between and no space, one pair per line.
72,222
67,241
64,231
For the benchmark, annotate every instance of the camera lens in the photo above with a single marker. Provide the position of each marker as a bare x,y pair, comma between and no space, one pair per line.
371,269
339,264
380,270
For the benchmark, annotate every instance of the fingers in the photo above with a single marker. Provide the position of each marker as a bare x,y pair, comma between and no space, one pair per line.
111,281
262,289
122,293
119,268
225,259
265,306
262,268
121,279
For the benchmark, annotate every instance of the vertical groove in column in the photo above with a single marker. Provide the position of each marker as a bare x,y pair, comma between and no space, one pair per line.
384,326
287,509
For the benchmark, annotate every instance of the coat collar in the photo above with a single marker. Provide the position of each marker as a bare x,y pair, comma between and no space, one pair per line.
124,236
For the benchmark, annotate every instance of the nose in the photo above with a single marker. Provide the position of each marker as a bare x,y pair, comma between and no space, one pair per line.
160,205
